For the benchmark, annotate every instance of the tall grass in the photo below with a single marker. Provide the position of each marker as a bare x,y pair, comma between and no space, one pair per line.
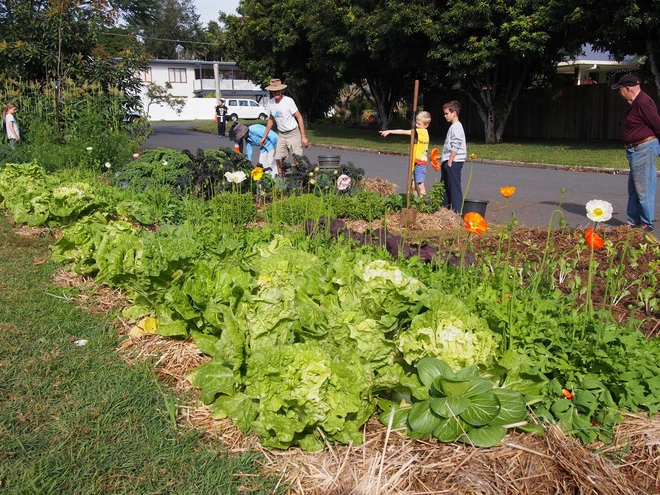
77,419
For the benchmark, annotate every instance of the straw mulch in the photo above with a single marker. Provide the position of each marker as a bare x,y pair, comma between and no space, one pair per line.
380,186
425,222
388,463
91,296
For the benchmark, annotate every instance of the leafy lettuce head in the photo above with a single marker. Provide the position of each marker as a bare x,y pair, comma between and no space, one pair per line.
448,331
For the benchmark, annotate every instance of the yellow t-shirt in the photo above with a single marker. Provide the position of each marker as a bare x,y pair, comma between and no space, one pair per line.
421,148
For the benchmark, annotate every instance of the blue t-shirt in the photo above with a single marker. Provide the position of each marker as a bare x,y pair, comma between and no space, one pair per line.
255,133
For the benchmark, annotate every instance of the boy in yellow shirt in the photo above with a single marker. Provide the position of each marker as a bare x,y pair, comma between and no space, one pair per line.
420,150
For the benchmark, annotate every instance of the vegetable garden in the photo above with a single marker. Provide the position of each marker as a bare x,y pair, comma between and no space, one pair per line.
313,330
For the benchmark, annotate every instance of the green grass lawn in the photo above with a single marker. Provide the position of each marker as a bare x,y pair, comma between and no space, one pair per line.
78,419
605,154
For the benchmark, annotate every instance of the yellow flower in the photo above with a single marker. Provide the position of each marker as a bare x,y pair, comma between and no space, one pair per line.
257,173
507,191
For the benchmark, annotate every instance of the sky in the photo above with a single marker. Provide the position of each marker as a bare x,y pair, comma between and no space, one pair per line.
208,9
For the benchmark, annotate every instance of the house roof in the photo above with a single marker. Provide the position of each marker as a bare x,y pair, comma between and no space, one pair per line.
195,63
596,61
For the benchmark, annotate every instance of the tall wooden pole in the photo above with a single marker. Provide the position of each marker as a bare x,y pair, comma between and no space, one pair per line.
411,160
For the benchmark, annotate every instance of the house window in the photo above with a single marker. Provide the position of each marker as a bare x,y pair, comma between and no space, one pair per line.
178,75
145,75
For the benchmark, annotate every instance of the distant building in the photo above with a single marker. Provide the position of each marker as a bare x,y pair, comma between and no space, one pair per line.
596,67
194,81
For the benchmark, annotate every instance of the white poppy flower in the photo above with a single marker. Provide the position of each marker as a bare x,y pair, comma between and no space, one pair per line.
235,177
598,210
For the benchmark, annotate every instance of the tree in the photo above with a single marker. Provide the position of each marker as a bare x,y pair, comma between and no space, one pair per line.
383,47
285,39
44,39
494,49
176,23
160,95
627,27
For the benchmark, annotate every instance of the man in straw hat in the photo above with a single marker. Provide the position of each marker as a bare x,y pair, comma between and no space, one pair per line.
639,134
284,112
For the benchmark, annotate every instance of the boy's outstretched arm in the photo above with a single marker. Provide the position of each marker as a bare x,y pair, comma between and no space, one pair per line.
395,131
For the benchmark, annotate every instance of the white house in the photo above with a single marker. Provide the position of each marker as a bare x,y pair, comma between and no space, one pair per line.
195,82
594,67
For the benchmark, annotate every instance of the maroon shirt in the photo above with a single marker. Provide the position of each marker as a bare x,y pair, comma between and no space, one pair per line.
642,120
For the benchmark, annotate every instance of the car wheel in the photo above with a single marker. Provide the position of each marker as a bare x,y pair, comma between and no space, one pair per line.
263,116
233,117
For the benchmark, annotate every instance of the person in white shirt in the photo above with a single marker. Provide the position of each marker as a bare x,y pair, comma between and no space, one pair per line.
454,153
13,134
290,126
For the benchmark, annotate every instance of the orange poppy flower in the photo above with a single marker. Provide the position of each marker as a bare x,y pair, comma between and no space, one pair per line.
567,394
594,239
507,191
475,223
435,159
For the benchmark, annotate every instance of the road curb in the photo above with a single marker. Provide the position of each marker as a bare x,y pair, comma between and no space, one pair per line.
546,166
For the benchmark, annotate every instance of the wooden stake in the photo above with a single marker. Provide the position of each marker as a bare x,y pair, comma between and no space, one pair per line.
412,149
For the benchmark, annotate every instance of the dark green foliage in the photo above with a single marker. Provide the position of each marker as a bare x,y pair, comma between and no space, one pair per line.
432,201
154,168
304,176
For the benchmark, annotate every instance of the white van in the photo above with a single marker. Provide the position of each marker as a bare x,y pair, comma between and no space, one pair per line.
245,109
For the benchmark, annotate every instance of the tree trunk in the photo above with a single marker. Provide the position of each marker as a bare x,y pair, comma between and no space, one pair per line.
653,63
494,101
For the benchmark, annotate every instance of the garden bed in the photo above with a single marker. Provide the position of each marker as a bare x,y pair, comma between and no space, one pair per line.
387,462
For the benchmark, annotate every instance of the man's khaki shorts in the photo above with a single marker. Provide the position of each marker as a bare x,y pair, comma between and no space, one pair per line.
290,141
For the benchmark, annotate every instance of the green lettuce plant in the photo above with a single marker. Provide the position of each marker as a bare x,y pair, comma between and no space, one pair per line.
461,406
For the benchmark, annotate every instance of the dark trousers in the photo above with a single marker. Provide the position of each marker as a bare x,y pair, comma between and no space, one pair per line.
222,128
451,178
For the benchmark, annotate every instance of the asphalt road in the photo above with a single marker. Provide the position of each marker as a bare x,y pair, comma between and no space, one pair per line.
538,189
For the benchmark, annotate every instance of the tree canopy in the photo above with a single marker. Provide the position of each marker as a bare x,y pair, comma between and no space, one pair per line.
44,39
286,39
631,27
174,24
495,49
492,49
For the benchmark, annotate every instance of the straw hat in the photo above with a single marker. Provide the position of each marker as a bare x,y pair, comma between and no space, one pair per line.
276,85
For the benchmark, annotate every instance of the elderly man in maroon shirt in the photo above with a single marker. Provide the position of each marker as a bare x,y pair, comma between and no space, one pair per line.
640,130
